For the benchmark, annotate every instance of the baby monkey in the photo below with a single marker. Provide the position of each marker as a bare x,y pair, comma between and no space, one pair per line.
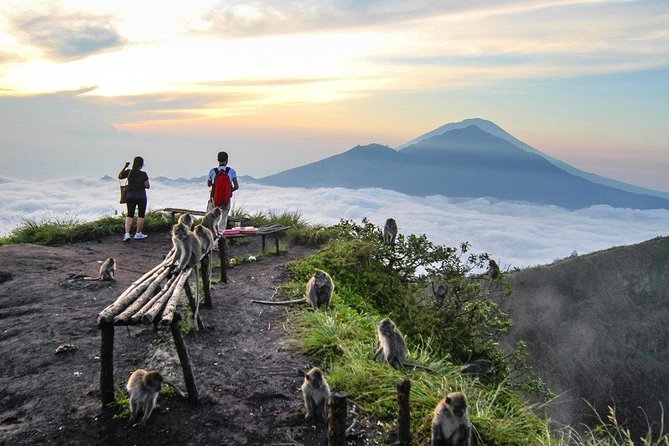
107,270
450,422
316,393
186,219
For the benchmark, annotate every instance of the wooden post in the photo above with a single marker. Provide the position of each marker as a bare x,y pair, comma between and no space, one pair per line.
106,362
205,272
404,416
276,239
263,242
337,420
223,256
184,359
192,304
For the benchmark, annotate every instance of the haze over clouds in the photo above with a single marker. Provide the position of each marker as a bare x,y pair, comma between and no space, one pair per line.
515,234
281,84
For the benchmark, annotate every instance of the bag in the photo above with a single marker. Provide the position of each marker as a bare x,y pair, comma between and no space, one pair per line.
124,193
221,190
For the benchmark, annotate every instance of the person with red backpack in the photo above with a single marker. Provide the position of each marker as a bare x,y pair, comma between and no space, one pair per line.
223,182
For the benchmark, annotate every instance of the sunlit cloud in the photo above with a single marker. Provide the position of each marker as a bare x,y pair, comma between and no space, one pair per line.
67,36
516,234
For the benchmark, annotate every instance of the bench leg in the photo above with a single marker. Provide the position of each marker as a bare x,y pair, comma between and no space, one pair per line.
184,359
107,363
223,256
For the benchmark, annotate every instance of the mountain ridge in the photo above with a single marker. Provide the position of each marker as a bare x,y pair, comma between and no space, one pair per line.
495,130
461,162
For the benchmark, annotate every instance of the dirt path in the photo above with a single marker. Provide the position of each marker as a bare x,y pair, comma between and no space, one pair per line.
246,375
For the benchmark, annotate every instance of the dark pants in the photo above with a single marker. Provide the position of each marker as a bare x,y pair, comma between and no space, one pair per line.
140,203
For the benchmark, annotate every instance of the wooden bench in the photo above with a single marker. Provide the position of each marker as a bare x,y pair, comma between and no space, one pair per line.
174,211
263,231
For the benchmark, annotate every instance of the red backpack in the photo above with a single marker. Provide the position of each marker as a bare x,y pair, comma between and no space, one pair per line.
222,187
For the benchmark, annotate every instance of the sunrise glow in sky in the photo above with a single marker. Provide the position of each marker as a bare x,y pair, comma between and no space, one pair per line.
85,85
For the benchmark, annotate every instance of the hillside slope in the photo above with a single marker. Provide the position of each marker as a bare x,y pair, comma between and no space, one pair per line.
596,327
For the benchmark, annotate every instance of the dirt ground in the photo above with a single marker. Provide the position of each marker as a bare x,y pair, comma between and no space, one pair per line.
244,367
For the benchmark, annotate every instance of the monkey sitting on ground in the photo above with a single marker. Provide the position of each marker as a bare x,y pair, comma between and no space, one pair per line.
186,219
143,388
392,344
394,347
316,394
187,247
212,221
319,292
107,270
390,231
450,422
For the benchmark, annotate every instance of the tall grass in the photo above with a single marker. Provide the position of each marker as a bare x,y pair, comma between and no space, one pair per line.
70,229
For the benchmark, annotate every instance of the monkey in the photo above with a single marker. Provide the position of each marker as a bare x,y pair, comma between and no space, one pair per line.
212,221
394,347
187,247
107,270
316,394
392,344
206,238
493,270
440,293
450,422
390,231
143,388
187,220
319,292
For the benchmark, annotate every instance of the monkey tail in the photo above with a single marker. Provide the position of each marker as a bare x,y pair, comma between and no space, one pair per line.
196,313
286,302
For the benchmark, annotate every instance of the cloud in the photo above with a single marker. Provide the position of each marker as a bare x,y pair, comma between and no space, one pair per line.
68,36
516,234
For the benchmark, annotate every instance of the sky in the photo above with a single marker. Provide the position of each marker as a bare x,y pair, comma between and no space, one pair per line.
86,85
514,234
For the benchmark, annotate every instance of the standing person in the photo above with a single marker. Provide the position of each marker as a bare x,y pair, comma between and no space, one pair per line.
221,191
138,182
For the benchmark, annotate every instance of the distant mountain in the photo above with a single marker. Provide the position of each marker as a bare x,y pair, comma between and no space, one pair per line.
596,329
461,162
495,130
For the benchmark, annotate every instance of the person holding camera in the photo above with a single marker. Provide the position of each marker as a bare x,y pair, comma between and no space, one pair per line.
138,182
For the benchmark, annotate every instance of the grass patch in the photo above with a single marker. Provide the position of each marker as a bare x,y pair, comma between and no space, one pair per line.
373,281
57,231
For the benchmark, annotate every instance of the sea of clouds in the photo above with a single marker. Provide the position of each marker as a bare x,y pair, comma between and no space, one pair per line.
515,234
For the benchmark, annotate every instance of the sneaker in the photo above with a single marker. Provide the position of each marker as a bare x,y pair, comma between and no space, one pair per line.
139,236
126,237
